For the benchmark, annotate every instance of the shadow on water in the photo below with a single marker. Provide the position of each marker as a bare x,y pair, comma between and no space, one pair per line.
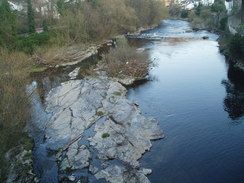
45,165
234,100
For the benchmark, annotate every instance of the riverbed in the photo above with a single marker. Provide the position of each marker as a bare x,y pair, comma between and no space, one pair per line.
195,95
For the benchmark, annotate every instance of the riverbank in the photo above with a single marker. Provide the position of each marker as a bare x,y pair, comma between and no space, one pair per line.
218,21
105,81
61,57
225,41
22,171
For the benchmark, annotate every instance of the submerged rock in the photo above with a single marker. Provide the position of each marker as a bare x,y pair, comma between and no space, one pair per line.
20,169
77,157
123,136
205,37
117,174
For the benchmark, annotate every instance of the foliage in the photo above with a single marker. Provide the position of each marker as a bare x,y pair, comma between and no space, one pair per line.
100,113
30,42
126,61
72,28
7,26
94,20
44,26
118,93
240,29
30,15
223,23
236,46
105,135
80,22
61,7
184,13
148,12
14,102
175,10
199,9
218,6
210,17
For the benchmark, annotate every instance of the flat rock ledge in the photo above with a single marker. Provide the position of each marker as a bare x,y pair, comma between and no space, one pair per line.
120,134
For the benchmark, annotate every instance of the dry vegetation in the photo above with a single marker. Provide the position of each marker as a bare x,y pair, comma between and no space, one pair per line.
124,61
89,22
81,23
54,55
14,102
86,21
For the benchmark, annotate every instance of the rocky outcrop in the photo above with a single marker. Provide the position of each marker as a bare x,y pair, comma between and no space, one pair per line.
117,174
20,169
123,136
77,157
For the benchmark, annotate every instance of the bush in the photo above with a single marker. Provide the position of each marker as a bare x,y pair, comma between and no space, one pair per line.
223,23
84,21
29,43
105,135
218,6
100,113
125,61
184,14
236,46
14,105
174,10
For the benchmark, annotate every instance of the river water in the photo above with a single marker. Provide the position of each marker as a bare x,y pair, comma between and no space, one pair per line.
198,99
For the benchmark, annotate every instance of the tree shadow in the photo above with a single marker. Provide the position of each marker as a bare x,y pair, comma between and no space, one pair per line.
234,100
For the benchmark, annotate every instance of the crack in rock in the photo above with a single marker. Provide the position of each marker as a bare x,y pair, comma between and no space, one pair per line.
123,137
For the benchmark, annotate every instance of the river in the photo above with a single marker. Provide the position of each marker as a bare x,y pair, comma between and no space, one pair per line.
197,98
199,102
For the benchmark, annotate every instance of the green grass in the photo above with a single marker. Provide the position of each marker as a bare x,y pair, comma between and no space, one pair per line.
118,93
35,68
105,135
100,113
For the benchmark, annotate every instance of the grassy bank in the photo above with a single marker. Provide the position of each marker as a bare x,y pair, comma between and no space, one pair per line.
14,108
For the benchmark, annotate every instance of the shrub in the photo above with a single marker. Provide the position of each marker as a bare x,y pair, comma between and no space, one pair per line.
223,23
236,46
105,135
14,105
117,93
126,61
29,43
218,6
100,113
184,14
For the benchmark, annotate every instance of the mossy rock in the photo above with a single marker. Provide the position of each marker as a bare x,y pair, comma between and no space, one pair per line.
105,135
118,93
100,113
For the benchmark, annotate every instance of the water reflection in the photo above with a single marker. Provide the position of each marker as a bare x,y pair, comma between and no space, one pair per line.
202,144
234,100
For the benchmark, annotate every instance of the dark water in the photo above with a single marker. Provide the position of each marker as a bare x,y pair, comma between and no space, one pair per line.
45,165
199,101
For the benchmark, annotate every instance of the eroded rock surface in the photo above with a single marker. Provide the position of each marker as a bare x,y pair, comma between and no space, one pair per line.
124,135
